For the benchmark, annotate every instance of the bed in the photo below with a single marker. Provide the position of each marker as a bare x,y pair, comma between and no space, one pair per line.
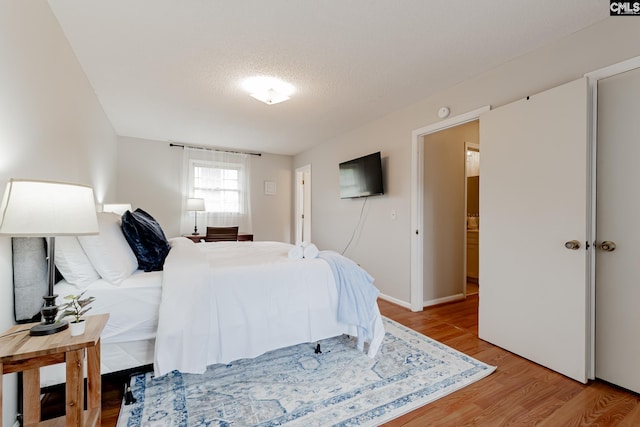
218,302
128,339
242,299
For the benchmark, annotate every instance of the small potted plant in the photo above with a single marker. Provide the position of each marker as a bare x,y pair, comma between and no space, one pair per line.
75,306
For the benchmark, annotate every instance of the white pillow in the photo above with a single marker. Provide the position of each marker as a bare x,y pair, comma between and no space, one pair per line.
180,241
73,263
109,252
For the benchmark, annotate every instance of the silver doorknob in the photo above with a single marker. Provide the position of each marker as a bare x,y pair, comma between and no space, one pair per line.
574,245
607,246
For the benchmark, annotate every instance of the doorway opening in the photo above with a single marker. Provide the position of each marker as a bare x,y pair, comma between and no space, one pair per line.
472,205
423,292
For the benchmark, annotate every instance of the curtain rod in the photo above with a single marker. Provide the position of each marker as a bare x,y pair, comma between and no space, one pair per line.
171,144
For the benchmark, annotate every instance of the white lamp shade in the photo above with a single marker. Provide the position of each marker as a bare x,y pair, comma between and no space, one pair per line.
118,208
195,204
44,208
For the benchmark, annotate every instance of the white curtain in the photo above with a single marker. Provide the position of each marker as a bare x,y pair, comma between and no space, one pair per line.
223,180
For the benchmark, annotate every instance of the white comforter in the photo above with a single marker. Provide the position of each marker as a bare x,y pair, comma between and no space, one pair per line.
224,301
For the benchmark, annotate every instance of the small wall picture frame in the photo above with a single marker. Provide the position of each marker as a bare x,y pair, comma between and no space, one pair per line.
270,188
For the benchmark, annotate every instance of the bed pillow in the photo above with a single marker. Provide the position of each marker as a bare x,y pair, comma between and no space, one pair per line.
109,251
146,238
180,241
73,263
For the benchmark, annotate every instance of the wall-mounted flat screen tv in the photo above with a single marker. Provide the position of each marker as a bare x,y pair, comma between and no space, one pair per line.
361,177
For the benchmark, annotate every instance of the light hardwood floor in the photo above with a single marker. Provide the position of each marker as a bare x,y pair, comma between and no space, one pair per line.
518,393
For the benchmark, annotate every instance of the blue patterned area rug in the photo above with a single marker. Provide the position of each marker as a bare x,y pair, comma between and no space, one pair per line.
295,387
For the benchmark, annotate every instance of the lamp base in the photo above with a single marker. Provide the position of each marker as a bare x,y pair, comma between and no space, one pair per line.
48,328
49,311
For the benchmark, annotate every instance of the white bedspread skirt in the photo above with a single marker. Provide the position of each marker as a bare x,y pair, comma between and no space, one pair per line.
225,301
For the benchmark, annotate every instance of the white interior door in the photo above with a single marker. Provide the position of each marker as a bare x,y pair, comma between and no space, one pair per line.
533,200
618,271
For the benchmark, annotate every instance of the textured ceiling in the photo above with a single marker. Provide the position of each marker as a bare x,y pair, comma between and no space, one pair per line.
171,70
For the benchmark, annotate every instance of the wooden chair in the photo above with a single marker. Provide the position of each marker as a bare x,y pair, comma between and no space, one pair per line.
220,234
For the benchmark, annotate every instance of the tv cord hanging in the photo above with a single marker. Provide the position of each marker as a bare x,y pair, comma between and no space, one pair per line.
356,227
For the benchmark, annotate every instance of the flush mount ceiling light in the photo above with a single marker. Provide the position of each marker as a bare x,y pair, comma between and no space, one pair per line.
269,90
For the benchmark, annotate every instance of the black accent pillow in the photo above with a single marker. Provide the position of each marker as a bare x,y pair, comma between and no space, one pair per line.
146,238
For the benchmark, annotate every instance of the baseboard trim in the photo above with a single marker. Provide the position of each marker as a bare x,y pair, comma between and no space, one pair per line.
395,301
437,301
428,303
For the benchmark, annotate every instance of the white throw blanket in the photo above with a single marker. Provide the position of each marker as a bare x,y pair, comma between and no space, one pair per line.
224,301
357,298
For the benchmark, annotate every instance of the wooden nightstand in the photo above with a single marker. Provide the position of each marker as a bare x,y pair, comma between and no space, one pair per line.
21,352
195,237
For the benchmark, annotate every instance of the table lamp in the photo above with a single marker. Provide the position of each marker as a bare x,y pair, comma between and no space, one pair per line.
196,205
33,208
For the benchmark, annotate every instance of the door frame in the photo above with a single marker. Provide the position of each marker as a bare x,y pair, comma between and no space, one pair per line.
417,189
302,212
592,82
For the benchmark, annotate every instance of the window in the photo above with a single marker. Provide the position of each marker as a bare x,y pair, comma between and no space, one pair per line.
222,180
219,185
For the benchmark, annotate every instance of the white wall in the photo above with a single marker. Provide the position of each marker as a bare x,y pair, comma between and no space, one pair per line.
51,126
380,244
272,214
149,177
383,246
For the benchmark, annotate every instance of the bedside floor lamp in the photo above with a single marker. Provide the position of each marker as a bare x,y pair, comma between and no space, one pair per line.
195,205
33,208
